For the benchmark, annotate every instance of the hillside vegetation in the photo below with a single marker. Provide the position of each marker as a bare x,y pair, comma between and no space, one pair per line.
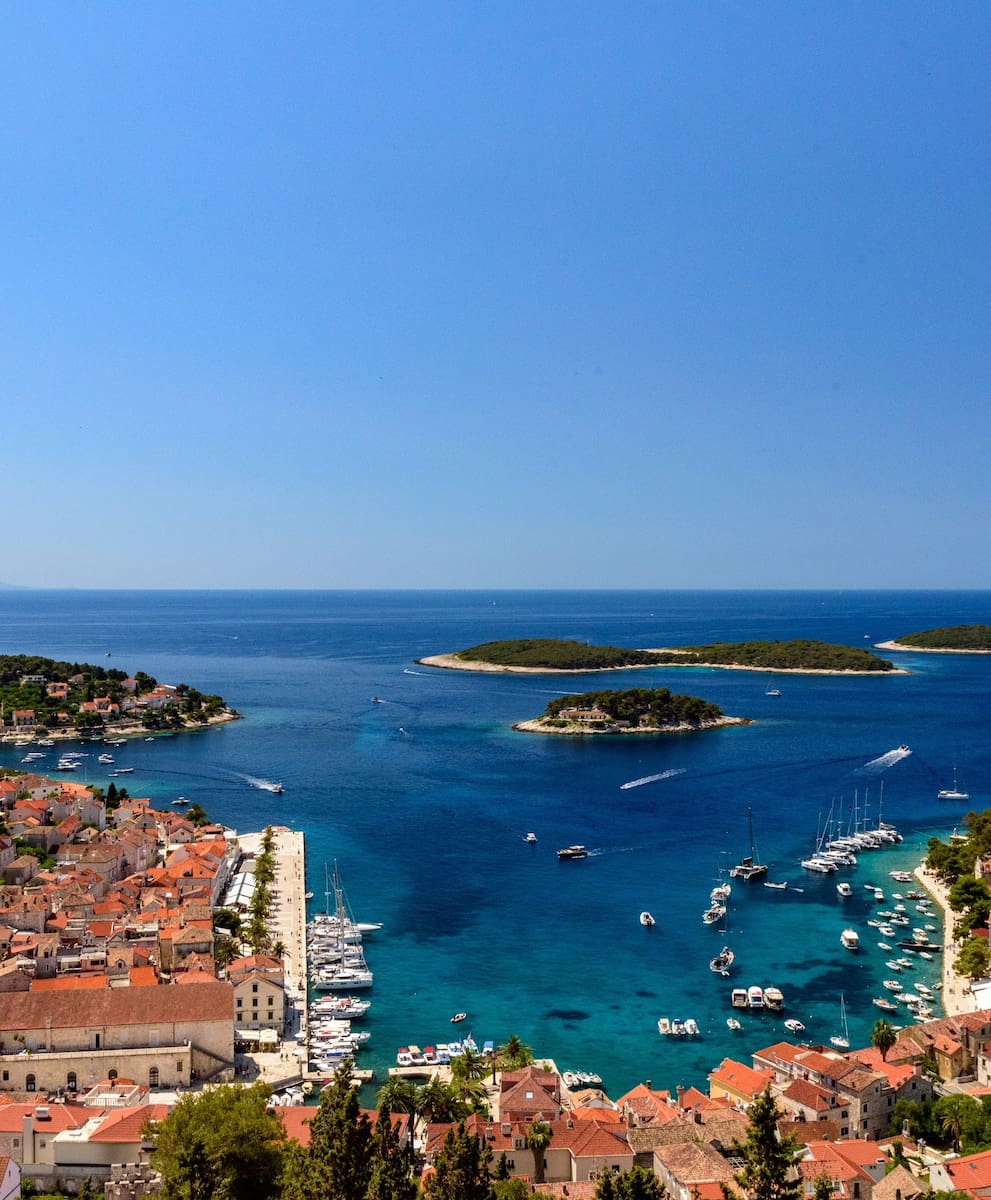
950,637
555,653
641,706
560,655
21,688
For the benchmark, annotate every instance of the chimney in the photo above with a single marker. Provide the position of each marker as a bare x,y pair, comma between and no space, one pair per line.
680,1092
27,1137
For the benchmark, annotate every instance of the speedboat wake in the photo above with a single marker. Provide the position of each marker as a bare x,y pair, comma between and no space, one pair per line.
887,760
652,778
266,785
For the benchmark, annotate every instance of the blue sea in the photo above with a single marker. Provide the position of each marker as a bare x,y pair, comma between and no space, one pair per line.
423,799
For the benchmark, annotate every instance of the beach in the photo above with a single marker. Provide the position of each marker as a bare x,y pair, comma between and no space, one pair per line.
958,996
451,662
924,649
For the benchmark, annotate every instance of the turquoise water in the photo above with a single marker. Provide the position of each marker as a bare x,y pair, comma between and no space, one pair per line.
424,799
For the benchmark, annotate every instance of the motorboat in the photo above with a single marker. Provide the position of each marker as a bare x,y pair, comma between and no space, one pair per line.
844,889
738,997
850,939
778,887
755,997
530,838
663,1026
713,914
733,1023
885,946
459,1017
885,1005
691,1027
774,999
722,961
893,985
794,1026
646,919
569,852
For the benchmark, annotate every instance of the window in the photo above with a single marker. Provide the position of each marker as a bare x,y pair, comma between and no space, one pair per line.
254,987
240,1001
30,1083
112,1074
70,1081
254,1001
6,1076
153,1077
178,1068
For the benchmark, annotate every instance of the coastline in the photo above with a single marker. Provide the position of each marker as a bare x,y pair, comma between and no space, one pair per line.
132,729
579,729
924,649
450,662
958,996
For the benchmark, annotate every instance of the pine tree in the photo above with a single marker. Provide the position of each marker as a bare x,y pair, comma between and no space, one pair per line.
338,1162
392,1175
767,1157
461,1170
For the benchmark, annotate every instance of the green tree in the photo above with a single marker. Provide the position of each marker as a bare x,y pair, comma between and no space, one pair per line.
883,1037
512,1054
767,1157
342,1146
440,1101
974,959
224,1142
392,1165
954,1114
538,1138
461,1169
510,1189
636,1184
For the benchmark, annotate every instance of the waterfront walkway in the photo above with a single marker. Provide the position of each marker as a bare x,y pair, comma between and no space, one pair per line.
287,924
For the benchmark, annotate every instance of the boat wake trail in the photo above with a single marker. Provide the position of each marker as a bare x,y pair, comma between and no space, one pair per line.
407,671
266,785
887,760
653,778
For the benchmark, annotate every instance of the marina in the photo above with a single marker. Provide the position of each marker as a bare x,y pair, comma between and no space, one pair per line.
428,827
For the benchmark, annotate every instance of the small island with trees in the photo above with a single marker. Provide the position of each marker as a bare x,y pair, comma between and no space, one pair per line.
42,697
948,639
635,711
545,655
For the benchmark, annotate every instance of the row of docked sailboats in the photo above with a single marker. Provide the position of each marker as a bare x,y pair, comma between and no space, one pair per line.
334,945
835,848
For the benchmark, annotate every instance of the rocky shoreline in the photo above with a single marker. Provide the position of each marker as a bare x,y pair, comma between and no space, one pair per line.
128,729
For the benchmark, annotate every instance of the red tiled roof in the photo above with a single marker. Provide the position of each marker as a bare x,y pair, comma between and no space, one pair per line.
211,1001
125,1124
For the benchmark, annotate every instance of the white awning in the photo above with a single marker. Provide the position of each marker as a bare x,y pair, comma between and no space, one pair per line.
268,1037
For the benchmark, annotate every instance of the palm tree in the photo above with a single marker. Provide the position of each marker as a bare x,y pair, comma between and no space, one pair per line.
469,1064
401,1096
512,1054
440,1101
883,1037
538,1138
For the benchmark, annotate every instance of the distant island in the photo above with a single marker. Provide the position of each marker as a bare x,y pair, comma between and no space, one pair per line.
949,639
637,711
559,655
45,697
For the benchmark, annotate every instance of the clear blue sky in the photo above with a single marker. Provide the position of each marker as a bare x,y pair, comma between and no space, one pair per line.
481,295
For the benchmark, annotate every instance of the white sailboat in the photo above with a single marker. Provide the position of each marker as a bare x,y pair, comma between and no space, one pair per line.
842,1041
952,793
